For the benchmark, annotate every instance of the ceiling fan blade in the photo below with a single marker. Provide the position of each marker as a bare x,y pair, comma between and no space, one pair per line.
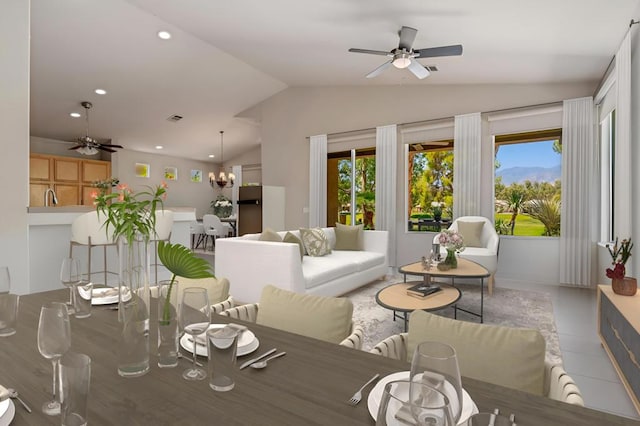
103,148
111,145
418,70
76,147
379,70
433,52
407,37
371,52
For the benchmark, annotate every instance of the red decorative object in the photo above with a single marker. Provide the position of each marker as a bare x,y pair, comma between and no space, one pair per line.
620,253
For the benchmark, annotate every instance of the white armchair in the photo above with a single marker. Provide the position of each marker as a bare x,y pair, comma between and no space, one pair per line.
482,243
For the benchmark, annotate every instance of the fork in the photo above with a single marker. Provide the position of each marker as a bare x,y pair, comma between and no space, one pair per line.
357,397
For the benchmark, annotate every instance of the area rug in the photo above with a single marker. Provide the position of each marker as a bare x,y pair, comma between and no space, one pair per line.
515,308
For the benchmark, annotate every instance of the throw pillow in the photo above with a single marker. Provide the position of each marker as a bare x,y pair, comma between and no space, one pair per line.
349,237
290,238
315,242
471,233
324,318
506,356
270,235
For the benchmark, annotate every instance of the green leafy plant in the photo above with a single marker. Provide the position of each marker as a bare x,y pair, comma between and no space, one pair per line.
546,211
180,261
130,214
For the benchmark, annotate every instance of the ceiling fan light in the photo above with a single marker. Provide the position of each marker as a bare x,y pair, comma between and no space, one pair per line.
401,61
88,150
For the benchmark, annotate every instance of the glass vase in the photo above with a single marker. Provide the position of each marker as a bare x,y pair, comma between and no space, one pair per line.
168,324
133,307
451,259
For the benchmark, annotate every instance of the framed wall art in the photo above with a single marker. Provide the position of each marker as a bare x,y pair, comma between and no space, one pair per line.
196,176
143,170
171,173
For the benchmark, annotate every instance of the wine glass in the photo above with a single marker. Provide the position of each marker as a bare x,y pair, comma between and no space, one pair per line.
435,364
70,276
54,339
194,319
413,403
5,280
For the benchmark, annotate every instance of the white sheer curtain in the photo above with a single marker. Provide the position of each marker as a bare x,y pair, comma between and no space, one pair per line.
467,161
386,172
318,181
579,193
623,163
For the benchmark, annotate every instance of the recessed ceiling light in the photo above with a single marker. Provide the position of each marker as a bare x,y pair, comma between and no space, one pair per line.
159,146
101,91
75,114
165,35
211,156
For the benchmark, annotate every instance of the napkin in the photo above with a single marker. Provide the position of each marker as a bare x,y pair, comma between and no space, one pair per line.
4,393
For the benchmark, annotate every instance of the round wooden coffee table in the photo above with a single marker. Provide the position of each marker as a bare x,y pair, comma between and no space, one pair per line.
395,297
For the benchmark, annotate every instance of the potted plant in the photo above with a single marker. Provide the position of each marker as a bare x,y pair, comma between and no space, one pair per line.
222,206
453,242
620,253
436,209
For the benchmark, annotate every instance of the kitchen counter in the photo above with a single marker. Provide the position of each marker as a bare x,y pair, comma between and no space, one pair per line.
49,236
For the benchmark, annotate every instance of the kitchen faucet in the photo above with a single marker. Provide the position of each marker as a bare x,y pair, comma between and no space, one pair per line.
54,199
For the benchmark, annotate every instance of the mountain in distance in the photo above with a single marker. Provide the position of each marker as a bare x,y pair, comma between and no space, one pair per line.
533,174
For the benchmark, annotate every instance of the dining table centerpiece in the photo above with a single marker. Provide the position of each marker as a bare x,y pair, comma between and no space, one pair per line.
222,206
181,262
453,242
130,218
621,252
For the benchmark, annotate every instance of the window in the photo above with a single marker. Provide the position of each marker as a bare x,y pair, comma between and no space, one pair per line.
351,187
528,169
430,185
607,173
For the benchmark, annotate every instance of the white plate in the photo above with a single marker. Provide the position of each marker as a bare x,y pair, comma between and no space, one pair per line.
247,343
4,406
107,296
469,407
7,417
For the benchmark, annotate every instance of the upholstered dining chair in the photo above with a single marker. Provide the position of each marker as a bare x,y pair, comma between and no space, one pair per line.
481,243
214,228
196,229
320,317
506,356
89,230
217,290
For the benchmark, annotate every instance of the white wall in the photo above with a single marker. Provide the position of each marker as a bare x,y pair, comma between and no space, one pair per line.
635,143
14,124
181,192
290,116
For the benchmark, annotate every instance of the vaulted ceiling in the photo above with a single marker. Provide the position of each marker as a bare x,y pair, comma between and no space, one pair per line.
225,57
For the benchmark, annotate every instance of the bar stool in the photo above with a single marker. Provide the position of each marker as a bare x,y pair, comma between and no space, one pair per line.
90,230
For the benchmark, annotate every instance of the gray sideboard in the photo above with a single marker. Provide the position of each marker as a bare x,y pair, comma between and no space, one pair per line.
619,327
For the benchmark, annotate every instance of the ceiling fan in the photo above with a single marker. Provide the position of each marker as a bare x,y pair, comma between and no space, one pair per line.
87,145
404,56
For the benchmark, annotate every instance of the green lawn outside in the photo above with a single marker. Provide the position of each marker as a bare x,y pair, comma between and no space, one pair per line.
526,226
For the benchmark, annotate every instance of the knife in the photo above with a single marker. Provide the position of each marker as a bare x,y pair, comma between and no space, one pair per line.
251,361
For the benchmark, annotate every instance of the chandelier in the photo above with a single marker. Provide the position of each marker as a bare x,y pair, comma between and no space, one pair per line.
221,180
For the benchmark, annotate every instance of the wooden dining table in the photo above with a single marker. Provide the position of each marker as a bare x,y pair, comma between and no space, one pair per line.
309,386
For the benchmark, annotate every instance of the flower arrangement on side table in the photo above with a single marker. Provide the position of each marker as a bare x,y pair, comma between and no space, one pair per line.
453,242
620,253
222,206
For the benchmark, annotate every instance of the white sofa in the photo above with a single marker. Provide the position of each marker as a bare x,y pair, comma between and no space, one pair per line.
250,265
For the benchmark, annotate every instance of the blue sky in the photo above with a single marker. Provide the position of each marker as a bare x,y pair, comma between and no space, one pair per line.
534,154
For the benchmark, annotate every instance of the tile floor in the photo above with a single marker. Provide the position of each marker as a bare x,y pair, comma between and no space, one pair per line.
584,358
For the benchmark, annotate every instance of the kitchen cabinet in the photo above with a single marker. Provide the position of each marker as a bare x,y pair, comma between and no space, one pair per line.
70,178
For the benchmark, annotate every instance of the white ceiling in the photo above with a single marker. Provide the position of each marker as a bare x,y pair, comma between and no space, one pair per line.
225,57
